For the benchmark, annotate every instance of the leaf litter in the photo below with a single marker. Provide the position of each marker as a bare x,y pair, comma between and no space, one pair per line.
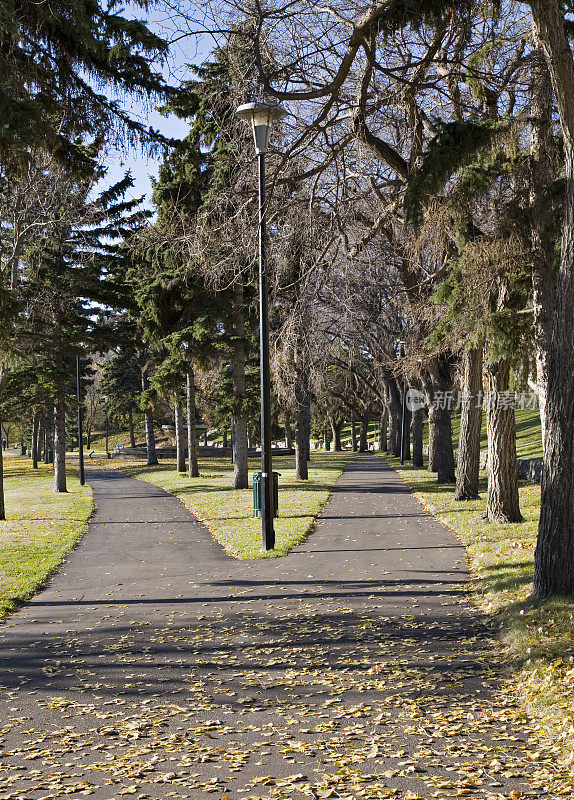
308,703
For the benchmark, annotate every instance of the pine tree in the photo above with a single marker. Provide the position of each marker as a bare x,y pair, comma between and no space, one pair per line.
53,62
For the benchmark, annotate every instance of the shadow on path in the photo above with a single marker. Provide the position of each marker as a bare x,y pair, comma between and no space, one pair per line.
156,665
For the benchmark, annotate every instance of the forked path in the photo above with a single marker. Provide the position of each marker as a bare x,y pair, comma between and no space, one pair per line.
155,665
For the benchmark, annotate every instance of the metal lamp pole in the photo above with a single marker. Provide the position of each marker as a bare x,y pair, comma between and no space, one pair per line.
266,465
80,426
261,116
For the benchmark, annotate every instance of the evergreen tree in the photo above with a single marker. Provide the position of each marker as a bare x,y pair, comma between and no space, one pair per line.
53,61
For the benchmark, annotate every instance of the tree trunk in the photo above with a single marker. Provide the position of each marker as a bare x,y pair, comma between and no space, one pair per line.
60,442
149,431
418,417
150,440
240,445
440,434
406,427
554,555
131,427
468,465
191,432
432,460
288,430
89,437
394,445
364,433
336,428
179,437
308,422
40,437
302,413
438,388
541,176
49,444
2,506
502,503
354,446
384,431
35,438
394,408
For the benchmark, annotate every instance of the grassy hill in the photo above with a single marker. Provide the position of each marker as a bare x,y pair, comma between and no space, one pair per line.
528,435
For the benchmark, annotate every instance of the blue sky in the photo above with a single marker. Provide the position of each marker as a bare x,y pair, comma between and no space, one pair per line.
193,49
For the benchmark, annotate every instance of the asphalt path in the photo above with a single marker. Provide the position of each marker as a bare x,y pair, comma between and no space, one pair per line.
155,665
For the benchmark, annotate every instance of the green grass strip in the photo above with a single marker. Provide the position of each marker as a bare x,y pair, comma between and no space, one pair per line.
228,513
41,527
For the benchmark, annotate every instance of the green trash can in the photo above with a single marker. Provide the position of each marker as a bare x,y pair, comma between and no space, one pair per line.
257,494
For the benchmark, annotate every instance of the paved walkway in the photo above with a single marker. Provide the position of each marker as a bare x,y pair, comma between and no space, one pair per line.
155,665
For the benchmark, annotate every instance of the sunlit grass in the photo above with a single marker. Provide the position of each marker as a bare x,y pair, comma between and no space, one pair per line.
228,513
40,529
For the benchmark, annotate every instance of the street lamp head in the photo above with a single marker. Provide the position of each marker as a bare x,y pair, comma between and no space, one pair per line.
261,116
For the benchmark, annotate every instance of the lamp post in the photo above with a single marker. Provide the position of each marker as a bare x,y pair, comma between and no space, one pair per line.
106,398
261,116
80,426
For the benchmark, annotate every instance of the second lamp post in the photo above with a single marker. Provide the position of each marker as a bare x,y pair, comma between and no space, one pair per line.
261,116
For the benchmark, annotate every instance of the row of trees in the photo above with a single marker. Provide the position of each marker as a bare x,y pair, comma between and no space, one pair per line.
436,138
420,189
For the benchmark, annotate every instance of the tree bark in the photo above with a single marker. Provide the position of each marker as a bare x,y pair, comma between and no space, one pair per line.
406,427
468,465
35,439
308,421
131,427
49,444
149,431
554,555
384,431
438,384
288,430
440,445
336,428
394,445
541,175
302,413
150,440
179,437
394,412
193,471
2,504
418,417
364,433
60,442
502,504
239,360
354,446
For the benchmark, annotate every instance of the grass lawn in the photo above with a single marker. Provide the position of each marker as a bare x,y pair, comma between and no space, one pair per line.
528,436
98,438
228,513
538,635
40,529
